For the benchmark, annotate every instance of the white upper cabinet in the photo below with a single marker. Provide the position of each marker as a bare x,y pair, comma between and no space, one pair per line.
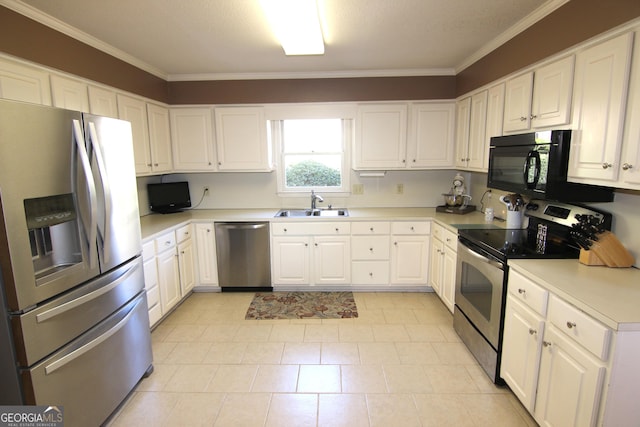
159,138
431,139
192,139
463,118
135,111
241,139
541,98
477,131
600,95
381,136
22,83
630,160
103,102
495,116
69,93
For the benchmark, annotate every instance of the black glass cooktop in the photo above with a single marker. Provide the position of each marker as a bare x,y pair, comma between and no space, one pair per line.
518,243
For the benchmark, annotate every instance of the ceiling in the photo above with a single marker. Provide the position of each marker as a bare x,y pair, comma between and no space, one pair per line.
224,39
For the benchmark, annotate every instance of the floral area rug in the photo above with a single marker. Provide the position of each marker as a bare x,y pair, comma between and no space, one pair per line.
302,305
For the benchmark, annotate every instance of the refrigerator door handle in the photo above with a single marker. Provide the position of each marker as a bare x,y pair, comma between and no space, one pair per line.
68,358
91,186
93,139
70,305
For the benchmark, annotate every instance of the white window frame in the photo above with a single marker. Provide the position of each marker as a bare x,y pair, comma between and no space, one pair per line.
278,114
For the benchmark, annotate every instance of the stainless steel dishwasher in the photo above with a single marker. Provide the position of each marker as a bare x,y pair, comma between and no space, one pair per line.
243,256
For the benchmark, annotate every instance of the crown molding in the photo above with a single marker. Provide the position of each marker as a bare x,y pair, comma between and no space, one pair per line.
56,24
526,22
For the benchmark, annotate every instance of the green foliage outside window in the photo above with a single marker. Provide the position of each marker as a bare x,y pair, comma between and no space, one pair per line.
310,173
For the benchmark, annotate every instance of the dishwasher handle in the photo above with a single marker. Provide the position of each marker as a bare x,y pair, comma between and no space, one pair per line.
242,225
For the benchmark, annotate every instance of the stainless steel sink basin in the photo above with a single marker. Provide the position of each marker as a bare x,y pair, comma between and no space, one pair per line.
296,213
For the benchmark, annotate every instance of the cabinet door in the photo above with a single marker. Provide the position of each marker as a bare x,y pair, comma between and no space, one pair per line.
463,117
153,290
290,260
192,139
600,91
332,260
570,383
431,144
103,102
22,83
409,260
630,159
495,118
435,266
69,94
523,331
517,103
159,138
448,284
186,261
135,111
552,94
381,136
241,139
168,279
477,131
206,255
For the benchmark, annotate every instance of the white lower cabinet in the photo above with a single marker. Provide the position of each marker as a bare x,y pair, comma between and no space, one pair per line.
409,252
370,253
311,253
442,268
555,357
168,278
206,255
151,282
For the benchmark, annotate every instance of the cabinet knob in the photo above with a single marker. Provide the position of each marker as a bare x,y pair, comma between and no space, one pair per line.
285,230
167,243
626,166
371,249
414,160
522,291
208,230
371,229
606,165
523,119
149,164
395,243
404,161
532,331
155,164
571,325
337,230
370,274
533,116
546,343
209,163
306,244
316,245
219,163
412,229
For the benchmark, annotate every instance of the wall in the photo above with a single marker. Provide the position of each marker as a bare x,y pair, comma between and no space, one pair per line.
259,190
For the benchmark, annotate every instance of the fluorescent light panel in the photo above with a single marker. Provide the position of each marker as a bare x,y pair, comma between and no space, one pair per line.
296,24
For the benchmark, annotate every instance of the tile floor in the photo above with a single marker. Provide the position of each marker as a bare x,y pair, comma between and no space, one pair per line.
400,363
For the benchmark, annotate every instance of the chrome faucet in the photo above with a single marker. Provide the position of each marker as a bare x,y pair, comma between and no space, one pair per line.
315,197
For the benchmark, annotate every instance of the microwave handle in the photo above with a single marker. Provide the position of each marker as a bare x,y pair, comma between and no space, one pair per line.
527,167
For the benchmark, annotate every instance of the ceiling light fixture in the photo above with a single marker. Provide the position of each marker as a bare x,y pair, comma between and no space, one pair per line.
296,24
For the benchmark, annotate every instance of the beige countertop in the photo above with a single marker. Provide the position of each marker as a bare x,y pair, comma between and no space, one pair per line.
610,295
157,223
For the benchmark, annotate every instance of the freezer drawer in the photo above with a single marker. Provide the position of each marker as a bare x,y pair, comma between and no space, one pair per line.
52,325
92,375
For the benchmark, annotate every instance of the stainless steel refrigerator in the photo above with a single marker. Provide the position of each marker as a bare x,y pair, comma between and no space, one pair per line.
74,327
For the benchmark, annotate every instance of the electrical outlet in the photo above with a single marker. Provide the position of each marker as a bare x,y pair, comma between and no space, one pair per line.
399,188
357,189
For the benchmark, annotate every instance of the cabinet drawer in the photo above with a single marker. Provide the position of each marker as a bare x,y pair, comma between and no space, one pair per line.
585,330
450,239
310,228
437,231
529,293
184,233
166,241
370,247
369,228
370,272
411,227
148,250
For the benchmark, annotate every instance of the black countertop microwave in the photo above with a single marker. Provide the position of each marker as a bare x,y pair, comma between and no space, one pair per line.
535,164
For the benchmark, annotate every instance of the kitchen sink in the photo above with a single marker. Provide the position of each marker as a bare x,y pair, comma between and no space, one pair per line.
296,213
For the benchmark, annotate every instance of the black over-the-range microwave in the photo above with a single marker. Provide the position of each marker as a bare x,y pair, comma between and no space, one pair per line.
535,164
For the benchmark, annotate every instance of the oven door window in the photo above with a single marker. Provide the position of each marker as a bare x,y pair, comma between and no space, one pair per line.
477,290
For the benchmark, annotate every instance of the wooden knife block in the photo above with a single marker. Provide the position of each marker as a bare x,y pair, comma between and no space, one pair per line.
607,250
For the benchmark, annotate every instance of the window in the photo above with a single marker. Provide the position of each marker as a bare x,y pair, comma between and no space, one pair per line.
312,155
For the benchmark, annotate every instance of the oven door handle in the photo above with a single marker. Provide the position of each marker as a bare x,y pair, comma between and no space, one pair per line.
482,257
532,155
